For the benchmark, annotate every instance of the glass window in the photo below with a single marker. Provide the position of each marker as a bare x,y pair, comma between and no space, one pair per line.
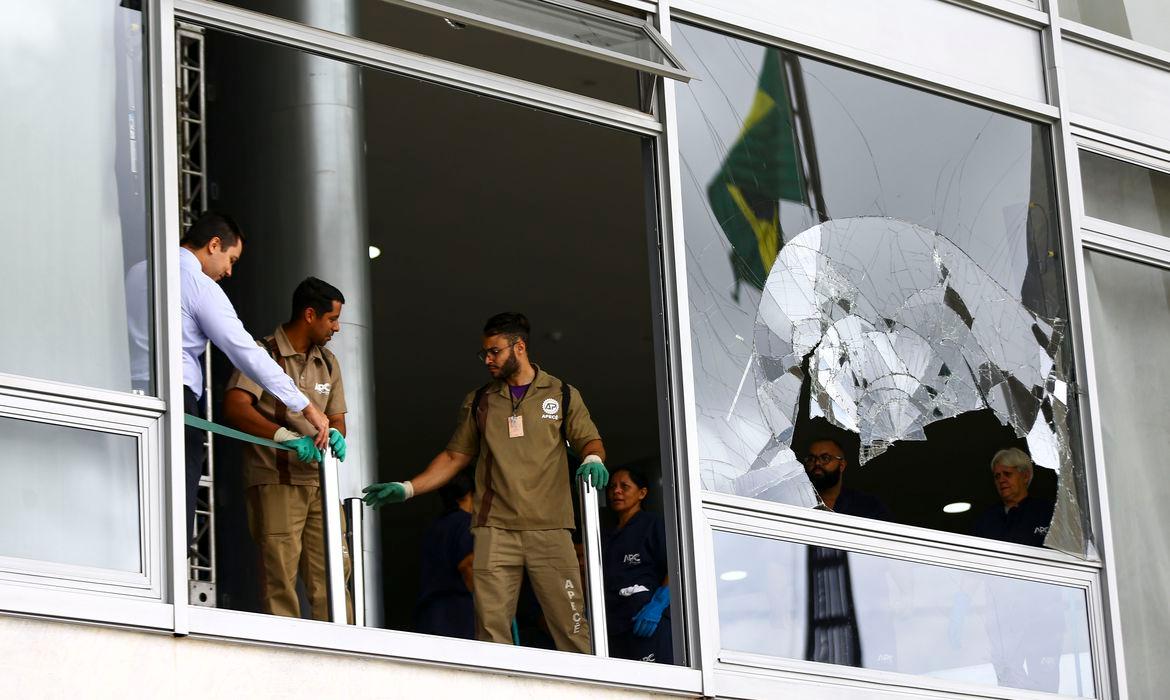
1129,310
412,29
1125,193
1147,21
69,496
878,267
827,605
73,188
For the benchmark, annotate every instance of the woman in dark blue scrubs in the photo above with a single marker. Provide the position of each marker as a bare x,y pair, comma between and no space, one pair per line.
637,597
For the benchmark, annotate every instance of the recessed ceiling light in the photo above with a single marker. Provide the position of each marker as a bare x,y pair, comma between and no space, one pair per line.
375,251
958,507
733,575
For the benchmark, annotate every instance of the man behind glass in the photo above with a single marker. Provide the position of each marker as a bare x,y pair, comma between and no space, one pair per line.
825,464
522,508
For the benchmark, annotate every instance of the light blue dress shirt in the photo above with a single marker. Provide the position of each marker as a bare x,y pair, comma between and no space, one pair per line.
209,315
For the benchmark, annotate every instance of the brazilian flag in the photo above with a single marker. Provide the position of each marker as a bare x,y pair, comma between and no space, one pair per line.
762,168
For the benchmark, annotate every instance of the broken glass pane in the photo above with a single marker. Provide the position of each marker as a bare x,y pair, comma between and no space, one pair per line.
877,258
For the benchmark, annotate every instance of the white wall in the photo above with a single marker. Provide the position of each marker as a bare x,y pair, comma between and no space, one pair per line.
44,659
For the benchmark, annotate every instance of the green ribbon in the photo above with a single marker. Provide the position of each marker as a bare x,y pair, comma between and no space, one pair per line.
204,424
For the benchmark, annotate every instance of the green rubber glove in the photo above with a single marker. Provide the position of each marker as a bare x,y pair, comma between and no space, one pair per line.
378,495
305,449
593,470
337,442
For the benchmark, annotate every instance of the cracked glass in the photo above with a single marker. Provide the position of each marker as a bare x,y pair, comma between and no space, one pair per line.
879,266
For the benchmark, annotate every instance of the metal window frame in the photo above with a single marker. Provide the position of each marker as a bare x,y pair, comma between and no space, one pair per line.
217,623
674,69
1044,564
1072,574
370,54
71,412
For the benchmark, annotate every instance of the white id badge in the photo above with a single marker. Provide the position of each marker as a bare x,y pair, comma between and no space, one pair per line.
515,426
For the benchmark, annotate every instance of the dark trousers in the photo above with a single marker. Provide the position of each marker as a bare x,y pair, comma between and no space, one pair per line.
193,439
658,648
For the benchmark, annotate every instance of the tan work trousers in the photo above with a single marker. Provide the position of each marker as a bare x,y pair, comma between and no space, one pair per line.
288,524
501,556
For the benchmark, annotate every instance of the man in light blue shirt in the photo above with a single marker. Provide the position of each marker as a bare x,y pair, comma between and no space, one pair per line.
210,249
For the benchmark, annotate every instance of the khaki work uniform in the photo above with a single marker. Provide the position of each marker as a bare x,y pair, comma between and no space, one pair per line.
285,513
523,510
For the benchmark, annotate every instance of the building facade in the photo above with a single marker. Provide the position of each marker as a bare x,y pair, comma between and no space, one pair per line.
923,230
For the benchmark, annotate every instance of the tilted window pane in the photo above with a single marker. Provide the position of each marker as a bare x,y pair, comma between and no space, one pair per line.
827,605
1147,21
878,265
1129,311
1125,193
69,496
408,28
73,192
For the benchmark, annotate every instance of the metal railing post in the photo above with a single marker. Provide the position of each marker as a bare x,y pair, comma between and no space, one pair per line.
357,557
334,561
594,584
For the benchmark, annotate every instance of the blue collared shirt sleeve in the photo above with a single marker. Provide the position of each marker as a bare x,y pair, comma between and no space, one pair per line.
217,318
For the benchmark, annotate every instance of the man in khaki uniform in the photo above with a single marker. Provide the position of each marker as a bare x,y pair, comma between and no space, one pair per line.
285,513
522,516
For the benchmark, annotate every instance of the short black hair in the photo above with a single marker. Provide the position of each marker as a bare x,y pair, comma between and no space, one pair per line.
636,476
459,486
210,225
826,438
510,323
316,294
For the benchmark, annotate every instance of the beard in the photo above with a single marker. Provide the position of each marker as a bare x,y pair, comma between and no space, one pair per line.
510,367
824,479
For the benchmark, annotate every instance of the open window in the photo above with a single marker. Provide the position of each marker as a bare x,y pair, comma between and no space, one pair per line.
432,209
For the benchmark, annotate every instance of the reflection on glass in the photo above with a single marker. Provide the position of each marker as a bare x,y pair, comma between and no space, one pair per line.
871,256
1147,21
1126,194
74,194
827,605
69,496
1129,310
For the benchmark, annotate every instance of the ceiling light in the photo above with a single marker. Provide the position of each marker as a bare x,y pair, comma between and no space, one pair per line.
957,507
375,251
733,575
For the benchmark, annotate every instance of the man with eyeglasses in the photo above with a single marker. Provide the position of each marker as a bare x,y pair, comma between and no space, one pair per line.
825,463
517,428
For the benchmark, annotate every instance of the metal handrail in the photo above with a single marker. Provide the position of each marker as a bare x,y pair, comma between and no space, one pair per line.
334,537
594,576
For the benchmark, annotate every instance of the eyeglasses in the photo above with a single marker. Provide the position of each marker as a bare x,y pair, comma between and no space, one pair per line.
820,460
493,352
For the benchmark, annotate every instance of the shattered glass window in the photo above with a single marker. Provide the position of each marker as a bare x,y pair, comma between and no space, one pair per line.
881,266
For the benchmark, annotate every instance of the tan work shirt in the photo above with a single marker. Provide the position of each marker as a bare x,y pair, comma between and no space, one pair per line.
318,376
522,483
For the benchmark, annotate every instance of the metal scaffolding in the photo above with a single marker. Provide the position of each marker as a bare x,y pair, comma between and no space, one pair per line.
193,201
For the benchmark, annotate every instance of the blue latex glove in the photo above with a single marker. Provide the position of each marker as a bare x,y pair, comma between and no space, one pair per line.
337,442
595,472
378,495
305,449
647,619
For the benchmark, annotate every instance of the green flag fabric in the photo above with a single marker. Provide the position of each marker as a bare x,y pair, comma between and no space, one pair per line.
763,167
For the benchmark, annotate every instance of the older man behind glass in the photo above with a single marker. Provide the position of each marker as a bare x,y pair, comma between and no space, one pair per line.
1019,518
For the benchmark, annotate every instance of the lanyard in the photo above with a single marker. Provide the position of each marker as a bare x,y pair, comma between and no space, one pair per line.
516,403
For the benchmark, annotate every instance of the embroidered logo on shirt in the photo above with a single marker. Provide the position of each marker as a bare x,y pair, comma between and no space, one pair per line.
324,388
551,408
1040,531
633,558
